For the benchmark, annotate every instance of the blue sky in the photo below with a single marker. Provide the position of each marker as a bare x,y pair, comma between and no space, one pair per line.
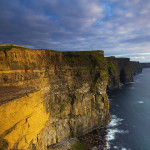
119,27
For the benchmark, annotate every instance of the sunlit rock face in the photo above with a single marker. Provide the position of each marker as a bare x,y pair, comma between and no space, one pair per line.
21,120
47,96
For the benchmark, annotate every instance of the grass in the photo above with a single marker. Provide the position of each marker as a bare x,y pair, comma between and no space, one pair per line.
113,68
78,146
62,107
136,67
90,58
9,47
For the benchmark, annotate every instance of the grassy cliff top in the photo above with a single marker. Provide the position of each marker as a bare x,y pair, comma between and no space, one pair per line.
77,58
5,47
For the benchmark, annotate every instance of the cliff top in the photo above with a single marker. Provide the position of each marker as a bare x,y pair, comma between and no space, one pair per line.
9,47
4,47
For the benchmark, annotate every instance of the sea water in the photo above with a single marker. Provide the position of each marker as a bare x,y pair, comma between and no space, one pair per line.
129,128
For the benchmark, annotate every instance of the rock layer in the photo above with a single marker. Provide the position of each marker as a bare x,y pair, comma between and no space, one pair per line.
48,96
72,89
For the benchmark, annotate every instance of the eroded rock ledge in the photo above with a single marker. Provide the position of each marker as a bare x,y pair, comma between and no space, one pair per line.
48,96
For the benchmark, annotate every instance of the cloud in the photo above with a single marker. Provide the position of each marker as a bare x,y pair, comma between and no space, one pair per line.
142,57
117,27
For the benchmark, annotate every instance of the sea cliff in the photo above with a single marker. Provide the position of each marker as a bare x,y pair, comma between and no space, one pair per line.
145,65
121,70
48,96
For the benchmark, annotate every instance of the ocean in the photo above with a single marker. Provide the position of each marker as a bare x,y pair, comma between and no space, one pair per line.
129,128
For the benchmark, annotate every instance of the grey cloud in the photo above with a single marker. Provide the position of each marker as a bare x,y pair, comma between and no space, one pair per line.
117,27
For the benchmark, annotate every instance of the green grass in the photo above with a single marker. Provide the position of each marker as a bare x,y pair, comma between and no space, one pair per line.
136,67
113,68
9,47
90,58
62,107
78,146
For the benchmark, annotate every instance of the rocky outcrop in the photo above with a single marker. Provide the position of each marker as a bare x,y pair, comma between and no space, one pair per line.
48,96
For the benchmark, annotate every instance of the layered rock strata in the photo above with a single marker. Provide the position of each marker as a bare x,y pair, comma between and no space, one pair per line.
49,96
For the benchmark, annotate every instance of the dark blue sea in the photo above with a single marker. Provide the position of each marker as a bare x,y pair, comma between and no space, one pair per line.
130,115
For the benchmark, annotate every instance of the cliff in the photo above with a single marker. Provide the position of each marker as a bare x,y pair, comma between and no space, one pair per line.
136,67
48,96
121,70
145,65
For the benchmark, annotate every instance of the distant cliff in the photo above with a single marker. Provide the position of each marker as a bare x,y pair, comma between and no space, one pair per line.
145,65
48,96
136,67
121,70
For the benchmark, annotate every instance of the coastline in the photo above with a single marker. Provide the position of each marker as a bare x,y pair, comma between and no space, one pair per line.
98,139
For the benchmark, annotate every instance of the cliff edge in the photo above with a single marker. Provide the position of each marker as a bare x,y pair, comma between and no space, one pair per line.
48,96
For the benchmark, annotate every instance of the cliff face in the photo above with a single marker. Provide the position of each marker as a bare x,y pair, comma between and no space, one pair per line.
48,96
136,67
120,71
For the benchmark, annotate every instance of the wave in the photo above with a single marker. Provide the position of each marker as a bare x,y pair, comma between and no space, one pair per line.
112,131
137,81
140,102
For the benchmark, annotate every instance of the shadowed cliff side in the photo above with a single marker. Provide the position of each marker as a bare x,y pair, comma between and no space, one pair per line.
136,67
120,71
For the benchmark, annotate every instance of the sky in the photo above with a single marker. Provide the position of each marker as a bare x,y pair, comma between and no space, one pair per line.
119,27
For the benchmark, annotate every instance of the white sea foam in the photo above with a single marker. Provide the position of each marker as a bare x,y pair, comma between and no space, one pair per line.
123,148
114,121
112,130
121,86
140,102
137,81
132,82
116,147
